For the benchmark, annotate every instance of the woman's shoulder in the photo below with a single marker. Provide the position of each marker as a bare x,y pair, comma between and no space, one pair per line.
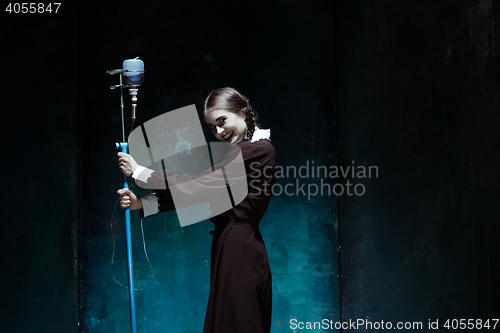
256,148
262,143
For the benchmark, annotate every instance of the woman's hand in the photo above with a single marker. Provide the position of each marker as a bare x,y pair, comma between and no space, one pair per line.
129,199
126,164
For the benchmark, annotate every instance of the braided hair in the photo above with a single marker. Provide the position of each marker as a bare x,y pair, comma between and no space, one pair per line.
230,99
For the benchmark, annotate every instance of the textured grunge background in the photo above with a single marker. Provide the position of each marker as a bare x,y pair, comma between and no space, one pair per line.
408,86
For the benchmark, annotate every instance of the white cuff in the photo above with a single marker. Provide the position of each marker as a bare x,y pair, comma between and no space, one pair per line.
150,205
141,175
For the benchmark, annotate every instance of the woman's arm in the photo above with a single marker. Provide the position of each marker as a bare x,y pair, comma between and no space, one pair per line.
149,204
176,191
143,177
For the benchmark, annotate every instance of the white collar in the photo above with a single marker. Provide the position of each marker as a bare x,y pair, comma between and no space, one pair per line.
261,134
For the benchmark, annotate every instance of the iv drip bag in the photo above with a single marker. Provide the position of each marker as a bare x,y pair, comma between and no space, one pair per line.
136,76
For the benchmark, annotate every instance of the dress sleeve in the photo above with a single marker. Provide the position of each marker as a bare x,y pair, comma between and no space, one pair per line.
150,204
215,176
225,179
159,201
149,179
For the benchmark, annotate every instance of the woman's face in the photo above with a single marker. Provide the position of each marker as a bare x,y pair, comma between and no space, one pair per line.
227,126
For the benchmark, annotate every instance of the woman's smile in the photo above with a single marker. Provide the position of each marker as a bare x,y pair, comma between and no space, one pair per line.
227,136
227,126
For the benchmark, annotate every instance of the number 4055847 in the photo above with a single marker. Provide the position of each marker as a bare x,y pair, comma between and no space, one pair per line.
32,7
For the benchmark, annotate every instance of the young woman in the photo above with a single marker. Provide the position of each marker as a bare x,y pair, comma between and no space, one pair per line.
240,297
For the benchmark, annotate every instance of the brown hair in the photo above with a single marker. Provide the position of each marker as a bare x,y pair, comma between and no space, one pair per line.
230,99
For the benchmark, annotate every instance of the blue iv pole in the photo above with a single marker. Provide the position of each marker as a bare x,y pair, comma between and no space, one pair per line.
123,146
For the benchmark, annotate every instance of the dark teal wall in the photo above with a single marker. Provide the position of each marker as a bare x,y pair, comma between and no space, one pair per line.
409,87
39,167
417,95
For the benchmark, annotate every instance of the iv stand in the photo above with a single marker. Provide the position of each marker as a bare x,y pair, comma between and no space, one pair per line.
123,146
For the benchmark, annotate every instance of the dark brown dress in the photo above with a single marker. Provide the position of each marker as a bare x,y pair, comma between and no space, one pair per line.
240,299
